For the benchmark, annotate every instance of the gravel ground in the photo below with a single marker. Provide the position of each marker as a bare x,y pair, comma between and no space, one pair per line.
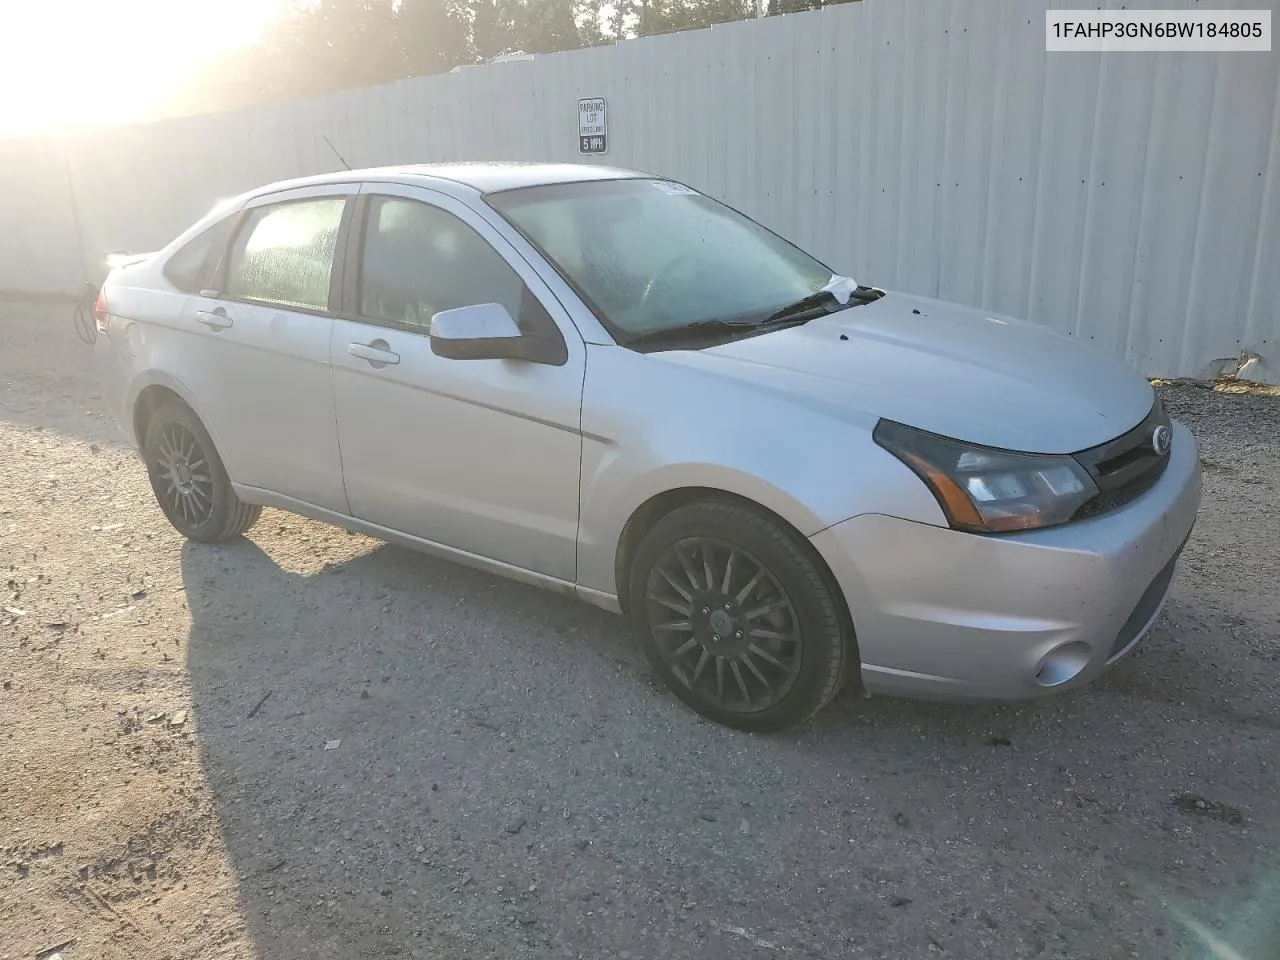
309,744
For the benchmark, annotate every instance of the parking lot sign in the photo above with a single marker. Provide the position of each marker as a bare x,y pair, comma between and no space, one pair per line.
593,132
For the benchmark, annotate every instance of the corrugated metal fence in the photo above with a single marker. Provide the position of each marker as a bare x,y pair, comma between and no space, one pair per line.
925,145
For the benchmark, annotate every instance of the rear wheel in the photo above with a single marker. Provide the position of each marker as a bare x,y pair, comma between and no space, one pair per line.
189,480
737,618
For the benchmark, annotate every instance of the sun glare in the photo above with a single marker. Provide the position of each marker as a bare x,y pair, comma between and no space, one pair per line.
76,63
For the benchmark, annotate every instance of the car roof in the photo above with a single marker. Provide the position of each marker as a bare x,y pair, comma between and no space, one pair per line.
483,177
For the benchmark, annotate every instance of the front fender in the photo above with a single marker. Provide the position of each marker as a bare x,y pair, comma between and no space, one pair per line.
652,424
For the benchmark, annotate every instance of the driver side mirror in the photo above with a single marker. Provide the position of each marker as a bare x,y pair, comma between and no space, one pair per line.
484,331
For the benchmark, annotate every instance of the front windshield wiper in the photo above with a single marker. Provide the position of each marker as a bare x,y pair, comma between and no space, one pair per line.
793,314
823,302
704,329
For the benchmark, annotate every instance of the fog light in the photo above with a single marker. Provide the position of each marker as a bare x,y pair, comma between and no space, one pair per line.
1064,662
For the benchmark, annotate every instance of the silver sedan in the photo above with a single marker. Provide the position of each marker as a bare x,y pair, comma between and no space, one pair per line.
613,386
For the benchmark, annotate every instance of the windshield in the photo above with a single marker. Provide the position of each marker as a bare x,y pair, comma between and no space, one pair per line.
651,255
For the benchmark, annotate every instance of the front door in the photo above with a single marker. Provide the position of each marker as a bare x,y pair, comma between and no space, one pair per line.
478,455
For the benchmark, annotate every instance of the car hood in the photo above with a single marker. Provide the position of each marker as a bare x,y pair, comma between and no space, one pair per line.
951,370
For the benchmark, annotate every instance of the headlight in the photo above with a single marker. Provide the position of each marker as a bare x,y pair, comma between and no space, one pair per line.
985,490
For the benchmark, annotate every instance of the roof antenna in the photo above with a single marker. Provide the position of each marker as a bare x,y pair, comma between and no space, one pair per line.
335,151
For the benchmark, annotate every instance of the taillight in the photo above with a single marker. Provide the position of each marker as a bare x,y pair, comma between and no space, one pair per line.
100,312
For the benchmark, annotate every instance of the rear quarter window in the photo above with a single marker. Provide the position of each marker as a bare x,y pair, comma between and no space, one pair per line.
192,266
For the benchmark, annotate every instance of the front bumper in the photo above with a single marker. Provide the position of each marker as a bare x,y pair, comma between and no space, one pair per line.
944,614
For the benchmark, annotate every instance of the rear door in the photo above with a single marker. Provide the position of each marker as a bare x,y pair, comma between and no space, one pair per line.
149,308
479,455
261,373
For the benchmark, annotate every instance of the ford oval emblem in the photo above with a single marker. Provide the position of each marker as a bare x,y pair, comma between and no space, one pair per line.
1161,440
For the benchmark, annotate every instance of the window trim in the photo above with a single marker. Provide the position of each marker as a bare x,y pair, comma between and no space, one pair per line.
353,274
219,280
352,259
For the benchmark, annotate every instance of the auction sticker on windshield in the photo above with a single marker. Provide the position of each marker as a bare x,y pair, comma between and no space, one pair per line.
675,189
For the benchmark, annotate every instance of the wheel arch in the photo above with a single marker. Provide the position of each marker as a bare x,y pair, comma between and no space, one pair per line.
149,400
149,393
648,513
652,510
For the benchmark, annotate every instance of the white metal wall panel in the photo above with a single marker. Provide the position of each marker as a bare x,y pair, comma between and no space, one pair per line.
1262,327
1132,200
39,243
1226,230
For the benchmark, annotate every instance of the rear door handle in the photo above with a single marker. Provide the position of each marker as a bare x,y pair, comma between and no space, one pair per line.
377,353
214,319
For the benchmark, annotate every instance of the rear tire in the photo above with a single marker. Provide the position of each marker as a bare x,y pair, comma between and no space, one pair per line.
736,615
189,481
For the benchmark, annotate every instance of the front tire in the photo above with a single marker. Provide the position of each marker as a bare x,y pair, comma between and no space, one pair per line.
187,476
735,614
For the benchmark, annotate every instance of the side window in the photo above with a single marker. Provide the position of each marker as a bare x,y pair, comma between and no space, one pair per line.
284,253
418,260
191,267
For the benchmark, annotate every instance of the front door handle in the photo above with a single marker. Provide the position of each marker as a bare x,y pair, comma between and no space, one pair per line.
377,353
214,319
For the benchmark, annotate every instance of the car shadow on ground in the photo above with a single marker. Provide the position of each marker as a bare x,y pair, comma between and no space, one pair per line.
407,755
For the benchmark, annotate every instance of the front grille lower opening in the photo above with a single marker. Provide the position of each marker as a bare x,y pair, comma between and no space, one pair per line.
1114,499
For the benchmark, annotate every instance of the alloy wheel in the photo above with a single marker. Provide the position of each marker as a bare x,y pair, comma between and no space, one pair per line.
723,624
184,479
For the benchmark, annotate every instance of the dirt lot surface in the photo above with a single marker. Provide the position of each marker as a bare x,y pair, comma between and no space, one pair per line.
308,744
